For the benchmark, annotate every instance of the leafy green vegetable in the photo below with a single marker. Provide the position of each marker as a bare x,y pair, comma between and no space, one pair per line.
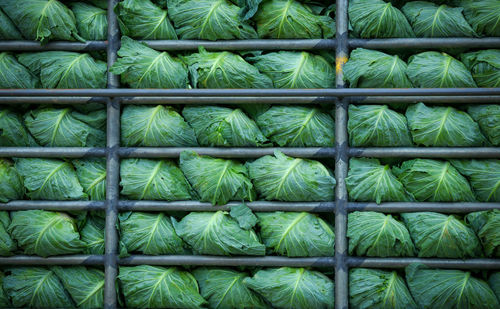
11,183
494,282
483,15
295,288
429,20
434,181
8,30
209,20
224,70
92,234
370,181
4,298
484,177
447,288
488,118
244,215
290,19
61,69
144,67
155,126
375,234
297,126
439,235
217,126
373,69
216,233
147,179
378,19
12,130
438,70
142,19
378,289
58,127
224,288
484,66
159,287
7,245
14,74
284,178
91,173
377,126
42,20
35,287
49,179
443,126
486,224
91,21
217,180
45,233
289,69
296,234
149,233
85,285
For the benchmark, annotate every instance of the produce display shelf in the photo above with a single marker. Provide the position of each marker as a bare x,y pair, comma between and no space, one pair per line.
340,97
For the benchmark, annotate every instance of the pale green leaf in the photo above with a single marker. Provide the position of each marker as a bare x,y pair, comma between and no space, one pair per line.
484,66
85,285
91,21
244,215
91,173
92,234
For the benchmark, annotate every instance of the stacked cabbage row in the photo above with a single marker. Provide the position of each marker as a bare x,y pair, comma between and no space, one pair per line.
425,234
431,69
167,287
429,19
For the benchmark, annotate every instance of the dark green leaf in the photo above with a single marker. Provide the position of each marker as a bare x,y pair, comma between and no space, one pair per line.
8,30
11,183
494,283
12,130
91,173
91,21
7,245
484,66
244,215
85,285
92,234
15,75
486,224
4,298
484,177
488,118
483,15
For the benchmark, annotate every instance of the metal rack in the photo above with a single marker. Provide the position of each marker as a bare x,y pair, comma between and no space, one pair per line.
339,97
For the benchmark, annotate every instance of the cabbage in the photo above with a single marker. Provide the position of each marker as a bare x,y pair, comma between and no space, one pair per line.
14,74
217,126
8,30
149,233
378,19
91,21
438,70
7,245
295,288
85,285
11,183
209,20
4,298
92,234
369,181
443,126
142,19
61,69
155,126
290,69
434,181
296,234
284,178
484,177
439,235
224,288
217,181
375,234
448,288
49,179
378,289
216,233
91,173
373,69
144,67
377,126
298,126
224,70
494,282
488,118
486,225
290,19
148,179
159,287
485,67
483,15
12,130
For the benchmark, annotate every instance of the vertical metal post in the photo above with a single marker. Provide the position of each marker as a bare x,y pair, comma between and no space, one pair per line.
341,162
112,166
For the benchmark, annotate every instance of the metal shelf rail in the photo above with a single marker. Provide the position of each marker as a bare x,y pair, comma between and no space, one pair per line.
339,97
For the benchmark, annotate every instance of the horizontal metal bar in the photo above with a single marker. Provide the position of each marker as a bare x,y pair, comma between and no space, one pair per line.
260,206
426,99
407,43
53,205
397,207
240,152
53,260
198,260
431,262
228,100
51,100
37,46
52,152
427,152
341,92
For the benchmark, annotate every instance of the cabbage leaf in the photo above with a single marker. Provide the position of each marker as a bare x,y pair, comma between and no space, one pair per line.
12,130
92,234
484,177
11,183
15,75
486,224
484,66
91,173
4,298
8,31
483,15
7,245
488,118
91,21
85,285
